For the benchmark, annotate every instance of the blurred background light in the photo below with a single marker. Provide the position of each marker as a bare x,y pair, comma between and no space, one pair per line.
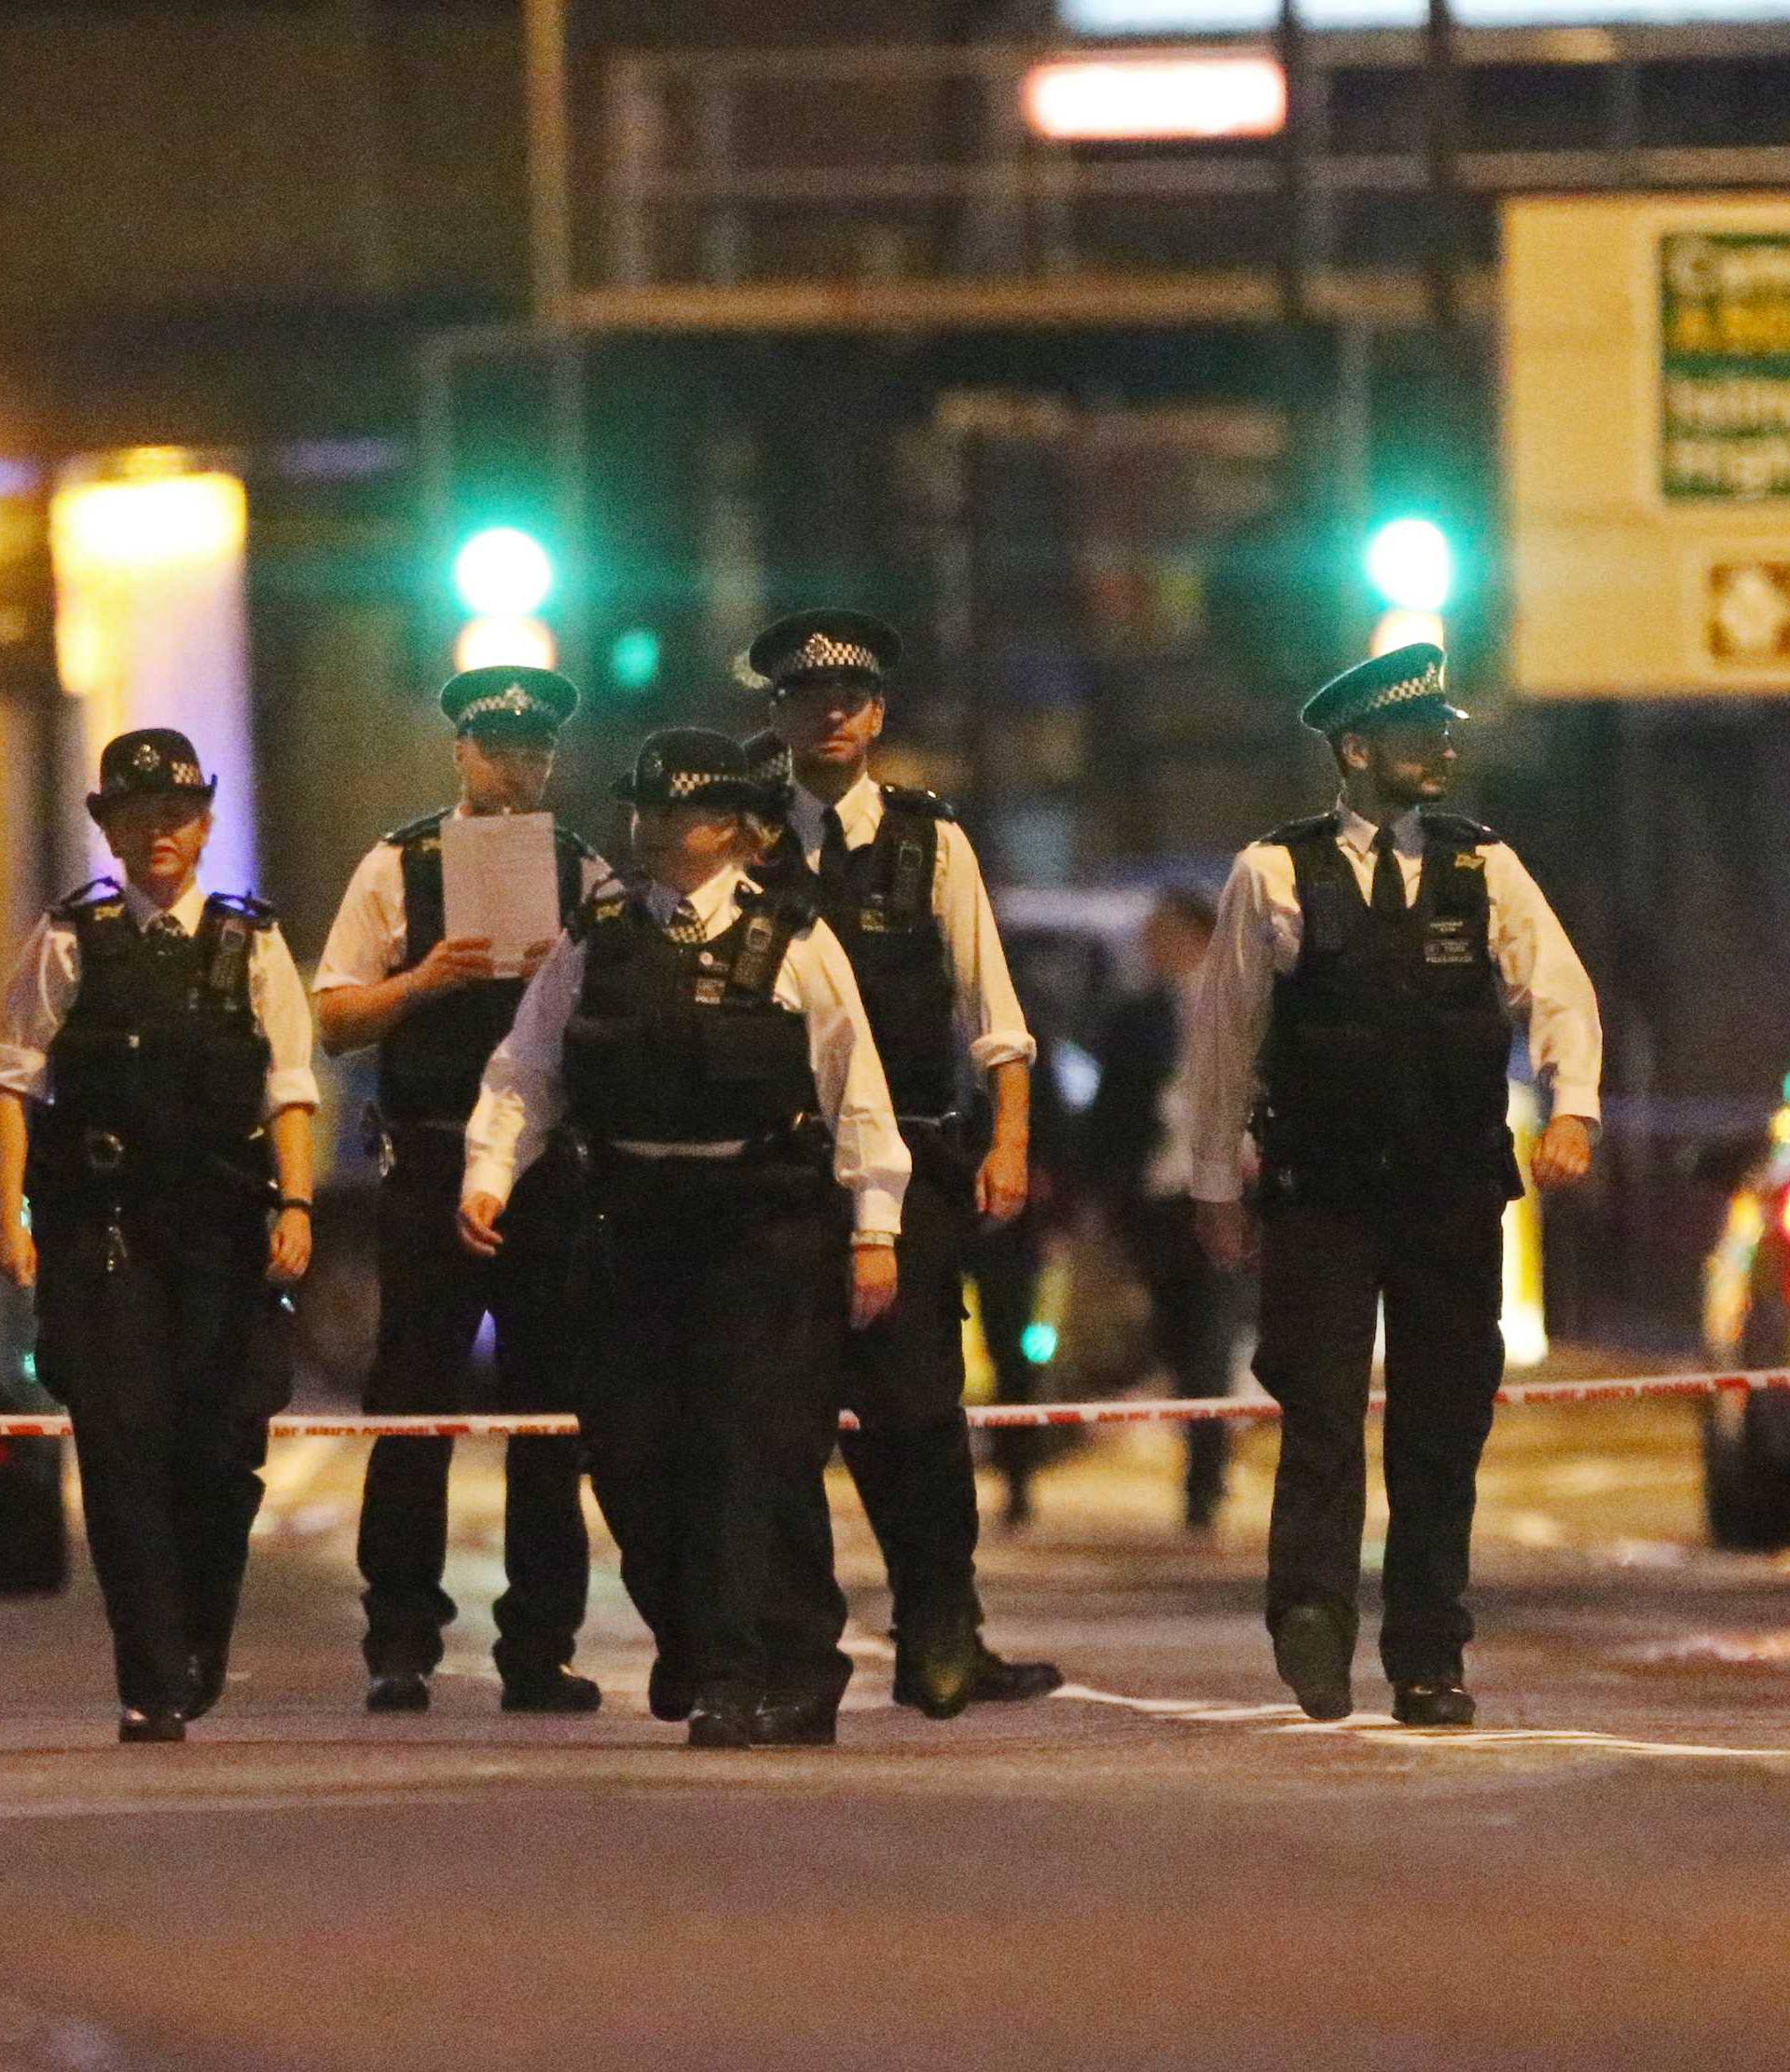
1412,565
1399,629
634,658
503,573
491,641
1116,100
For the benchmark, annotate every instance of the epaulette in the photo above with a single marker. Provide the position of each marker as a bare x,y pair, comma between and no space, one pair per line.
79,900
1303,831
602,903
568,838
1456,827
910,798
258,913
413,831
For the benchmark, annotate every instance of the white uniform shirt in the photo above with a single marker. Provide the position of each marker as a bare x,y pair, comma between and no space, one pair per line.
1258,938
990,1025
523,1094
48,975
367,938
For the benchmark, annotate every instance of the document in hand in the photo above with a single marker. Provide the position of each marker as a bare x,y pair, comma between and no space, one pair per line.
500,879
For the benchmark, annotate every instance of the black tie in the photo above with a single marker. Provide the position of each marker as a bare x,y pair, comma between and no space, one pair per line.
1388,880
833,850
165,929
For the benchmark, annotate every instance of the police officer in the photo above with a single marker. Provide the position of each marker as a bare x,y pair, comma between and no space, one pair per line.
700,1032
899,883
1364,965
392,976
156,1051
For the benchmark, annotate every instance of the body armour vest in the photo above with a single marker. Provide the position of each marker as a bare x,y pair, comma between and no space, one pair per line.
1388,1046
159,1069
685,1043
884,919
431,1064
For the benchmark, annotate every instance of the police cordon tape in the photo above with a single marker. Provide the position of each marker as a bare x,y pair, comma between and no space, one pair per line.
987,1416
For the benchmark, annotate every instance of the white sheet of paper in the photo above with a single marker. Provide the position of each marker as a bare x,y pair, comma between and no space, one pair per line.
500,879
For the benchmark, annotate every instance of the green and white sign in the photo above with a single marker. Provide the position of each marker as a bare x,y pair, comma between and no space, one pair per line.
1724,365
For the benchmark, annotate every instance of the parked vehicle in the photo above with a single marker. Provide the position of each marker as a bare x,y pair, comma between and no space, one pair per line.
1746,1325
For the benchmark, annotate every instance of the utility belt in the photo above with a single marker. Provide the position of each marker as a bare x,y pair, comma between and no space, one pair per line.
947,1148
422,1151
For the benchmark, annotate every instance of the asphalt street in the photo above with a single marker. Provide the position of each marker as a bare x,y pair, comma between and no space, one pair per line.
1162,1865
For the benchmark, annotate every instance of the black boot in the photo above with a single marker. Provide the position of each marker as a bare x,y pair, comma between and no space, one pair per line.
135,1725
398,1691
555,1690
1432,1703
810,1722
936,1668
997,1682
721,1723
1312,1652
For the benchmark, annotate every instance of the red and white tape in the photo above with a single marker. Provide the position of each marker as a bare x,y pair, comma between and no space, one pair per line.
1026,1415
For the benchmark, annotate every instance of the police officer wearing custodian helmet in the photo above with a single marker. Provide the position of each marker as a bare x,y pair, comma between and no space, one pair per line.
392,976
155,1049
1364,965
706,1038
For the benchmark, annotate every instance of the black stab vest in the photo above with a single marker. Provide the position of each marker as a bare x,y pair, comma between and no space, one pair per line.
158,1073
431,1064
683,1043
885,921
1388,1046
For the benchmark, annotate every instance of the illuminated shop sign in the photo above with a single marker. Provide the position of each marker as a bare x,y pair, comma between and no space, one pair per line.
1229,18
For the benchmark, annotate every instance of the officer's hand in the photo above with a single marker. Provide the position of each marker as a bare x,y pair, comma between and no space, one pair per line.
1227,1234
534,956
478,1230
1563,1156
18,1255
872,1282
289,1247
1001,1185
455,961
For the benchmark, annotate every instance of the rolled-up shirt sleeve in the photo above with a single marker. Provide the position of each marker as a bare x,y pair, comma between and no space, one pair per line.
869,1158
521,1098
365,942
1226,1021
277,994
39,992
991,1025
1544,981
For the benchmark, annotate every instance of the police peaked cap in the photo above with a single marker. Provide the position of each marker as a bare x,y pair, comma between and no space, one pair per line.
153,763
507,695
824,648
1406,683
697,766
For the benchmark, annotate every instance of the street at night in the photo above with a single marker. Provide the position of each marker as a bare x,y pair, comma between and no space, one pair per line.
1164,1864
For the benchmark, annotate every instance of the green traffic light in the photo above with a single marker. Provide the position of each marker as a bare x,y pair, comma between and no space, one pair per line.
503,573
1412,565
634,658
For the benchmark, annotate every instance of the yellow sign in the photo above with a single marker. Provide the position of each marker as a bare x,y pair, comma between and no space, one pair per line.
1646,440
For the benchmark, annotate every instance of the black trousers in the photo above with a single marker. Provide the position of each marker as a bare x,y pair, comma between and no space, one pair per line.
433,1296
903,1377
155,1362
1193,1325
711,1413
1435,1255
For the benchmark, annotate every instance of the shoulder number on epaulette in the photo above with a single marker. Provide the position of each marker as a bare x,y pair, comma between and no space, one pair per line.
909,798
245,906
414,830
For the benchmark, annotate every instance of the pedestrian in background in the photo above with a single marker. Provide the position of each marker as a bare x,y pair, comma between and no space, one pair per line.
1359,997
390,975
1135,1160
707,1040
155,1068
